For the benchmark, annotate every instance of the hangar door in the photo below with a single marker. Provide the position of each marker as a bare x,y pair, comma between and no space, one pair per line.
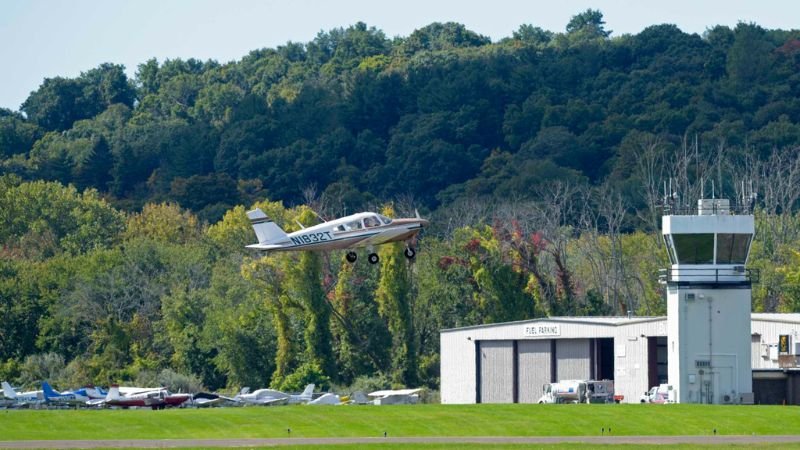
573,359
496,372
534,368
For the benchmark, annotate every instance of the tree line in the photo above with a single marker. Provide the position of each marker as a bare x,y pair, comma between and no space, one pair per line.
541,159
90,293
440,115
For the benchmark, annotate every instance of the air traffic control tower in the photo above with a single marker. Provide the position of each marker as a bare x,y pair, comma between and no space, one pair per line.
708,303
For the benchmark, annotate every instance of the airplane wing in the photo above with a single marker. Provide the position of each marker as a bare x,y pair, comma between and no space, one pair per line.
96,402
386,392
129,391
269,401
326,399
381,238
265,246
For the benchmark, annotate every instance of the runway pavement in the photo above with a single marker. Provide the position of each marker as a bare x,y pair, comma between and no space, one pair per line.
751,440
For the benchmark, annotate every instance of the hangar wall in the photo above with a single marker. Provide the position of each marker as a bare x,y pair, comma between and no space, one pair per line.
538,343
546,350
496,371
766,328
535,368
573,359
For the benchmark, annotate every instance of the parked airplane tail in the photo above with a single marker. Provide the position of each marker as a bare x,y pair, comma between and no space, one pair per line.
308,392
48,391
9,391
113,393
266,230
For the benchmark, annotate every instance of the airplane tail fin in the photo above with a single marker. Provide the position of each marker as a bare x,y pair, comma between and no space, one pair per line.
308,392
113,393
266,230
48,391
9,391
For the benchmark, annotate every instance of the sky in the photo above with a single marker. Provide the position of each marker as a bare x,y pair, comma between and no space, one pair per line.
47,38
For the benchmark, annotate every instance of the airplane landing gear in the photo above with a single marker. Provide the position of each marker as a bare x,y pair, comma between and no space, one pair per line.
351,257
410,252
373,258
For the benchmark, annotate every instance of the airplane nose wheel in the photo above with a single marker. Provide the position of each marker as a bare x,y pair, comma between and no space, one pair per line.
410,252
351,257
373,258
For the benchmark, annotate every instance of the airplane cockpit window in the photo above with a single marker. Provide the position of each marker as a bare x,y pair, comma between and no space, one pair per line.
355,225
385,220
340,228
371,221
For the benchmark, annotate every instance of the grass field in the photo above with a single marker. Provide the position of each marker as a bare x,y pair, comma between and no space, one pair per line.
397,421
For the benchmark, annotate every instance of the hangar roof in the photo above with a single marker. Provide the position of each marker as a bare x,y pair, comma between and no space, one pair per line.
777,317
593,320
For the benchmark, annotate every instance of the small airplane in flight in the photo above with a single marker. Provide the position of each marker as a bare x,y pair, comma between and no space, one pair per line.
364,229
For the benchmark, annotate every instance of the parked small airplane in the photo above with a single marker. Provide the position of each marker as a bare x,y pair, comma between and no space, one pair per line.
326,399
205,399
155,398
396,396
364,229
78,398
94,393
273,397
21,398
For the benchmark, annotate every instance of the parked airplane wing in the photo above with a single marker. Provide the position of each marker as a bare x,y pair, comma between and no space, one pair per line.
326,399
269,401
388,392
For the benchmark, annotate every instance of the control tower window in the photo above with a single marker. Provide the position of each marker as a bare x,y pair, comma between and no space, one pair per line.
670,249
694,248
732,248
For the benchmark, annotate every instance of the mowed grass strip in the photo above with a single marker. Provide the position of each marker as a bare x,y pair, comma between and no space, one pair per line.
400,420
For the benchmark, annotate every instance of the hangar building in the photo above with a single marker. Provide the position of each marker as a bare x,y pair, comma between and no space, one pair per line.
510,362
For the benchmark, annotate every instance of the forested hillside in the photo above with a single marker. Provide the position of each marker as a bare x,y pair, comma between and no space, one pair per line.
541,159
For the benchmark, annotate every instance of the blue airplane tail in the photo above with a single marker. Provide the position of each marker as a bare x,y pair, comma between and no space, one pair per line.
48,391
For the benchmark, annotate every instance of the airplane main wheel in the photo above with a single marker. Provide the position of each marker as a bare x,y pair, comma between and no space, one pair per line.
410,252
373,258
351,257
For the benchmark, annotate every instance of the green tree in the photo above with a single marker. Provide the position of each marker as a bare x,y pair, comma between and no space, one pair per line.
394,305
165,222
361,340
588,25
749,54
305,282
46,218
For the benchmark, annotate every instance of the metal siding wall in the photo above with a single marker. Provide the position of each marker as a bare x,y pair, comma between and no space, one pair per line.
572,359
769,331
630,367
497,371
756,351
534,369
458,375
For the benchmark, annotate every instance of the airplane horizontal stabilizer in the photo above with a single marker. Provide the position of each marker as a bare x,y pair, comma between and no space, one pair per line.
266,230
